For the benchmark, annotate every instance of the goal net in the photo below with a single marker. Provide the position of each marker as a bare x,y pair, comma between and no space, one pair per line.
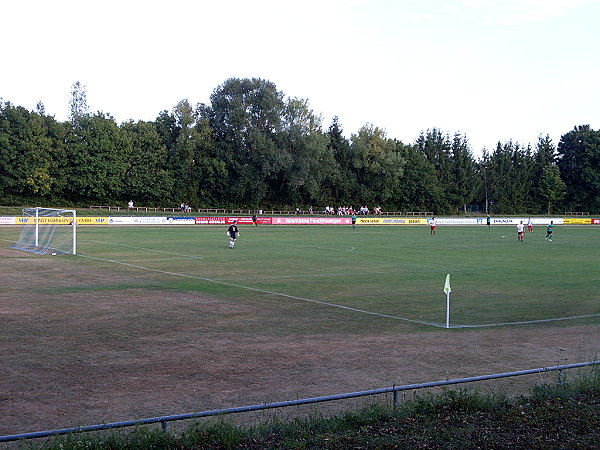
48,230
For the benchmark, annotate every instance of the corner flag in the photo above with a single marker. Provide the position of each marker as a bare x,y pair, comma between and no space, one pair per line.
447,289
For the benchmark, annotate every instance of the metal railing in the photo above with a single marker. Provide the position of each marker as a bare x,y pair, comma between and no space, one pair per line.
164,420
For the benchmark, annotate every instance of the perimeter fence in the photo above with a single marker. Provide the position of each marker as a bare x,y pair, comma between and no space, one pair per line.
395,390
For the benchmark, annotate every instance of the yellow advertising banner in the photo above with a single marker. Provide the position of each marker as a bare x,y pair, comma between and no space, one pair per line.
92,221
578,221
62,220
389,221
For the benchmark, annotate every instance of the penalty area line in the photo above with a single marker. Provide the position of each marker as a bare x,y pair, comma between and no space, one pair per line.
265,291
525,322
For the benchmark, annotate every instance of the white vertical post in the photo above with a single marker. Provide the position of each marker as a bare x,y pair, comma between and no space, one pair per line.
37,229
448,310
447,290
74,233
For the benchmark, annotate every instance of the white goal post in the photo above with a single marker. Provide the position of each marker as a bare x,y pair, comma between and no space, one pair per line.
48,230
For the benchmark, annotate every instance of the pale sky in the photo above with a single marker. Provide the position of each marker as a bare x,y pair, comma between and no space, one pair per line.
493,70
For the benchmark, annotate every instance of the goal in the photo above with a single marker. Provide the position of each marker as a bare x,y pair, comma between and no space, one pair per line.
48,230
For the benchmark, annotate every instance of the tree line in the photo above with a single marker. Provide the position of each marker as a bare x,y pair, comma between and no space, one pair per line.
252,147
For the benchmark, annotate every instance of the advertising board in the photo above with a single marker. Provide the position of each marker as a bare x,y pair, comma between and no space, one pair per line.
534,220
577,221
138,221
311,221
389,221
92,220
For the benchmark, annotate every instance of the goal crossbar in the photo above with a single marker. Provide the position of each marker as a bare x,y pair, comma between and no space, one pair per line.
48,230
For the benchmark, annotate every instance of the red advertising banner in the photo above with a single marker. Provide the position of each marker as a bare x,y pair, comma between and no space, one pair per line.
312,221
595,221
210,220
230,220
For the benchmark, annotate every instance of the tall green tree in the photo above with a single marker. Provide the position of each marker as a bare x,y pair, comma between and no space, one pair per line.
148,179
464,182
97,150
579,163
377,166
418,187
78,105
246,117
30,146
437,149
339,186
551,187
509,181
310,163
544,156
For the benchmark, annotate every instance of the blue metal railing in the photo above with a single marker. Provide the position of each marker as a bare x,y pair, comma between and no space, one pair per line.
163,420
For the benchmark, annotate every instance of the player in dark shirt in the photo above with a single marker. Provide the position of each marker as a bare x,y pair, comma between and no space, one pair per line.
233,234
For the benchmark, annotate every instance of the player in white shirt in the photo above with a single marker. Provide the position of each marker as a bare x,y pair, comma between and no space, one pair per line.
520,229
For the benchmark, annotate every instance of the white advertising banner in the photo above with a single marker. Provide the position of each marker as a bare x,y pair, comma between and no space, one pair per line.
534,220
8,220
459,221
138,221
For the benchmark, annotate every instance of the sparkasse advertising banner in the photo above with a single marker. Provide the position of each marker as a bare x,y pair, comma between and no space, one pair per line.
229,220
389,221
311,221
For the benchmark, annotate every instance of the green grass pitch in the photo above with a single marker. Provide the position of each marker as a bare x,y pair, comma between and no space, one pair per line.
369,277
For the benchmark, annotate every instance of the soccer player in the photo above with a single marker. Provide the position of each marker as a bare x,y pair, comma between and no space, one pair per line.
549,230
353,220
432,225
520,228
233,234
530,225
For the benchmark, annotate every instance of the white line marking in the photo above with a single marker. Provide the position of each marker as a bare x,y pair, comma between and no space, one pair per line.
351,249
264,291
302,276
525,322
146,249
181,258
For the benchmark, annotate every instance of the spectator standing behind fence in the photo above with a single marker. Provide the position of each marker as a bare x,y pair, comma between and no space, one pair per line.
130,205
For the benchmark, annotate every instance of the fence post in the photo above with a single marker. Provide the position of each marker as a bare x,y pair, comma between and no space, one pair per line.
395,403
165,426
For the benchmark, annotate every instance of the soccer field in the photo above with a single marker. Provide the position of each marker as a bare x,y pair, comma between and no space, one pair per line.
146,321
396,272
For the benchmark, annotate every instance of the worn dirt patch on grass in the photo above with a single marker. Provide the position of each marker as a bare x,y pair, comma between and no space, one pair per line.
80,346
